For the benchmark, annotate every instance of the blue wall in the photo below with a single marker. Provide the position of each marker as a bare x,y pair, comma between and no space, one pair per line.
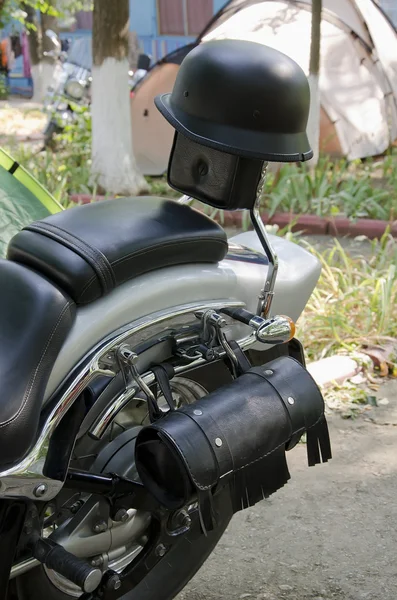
143,20
218,5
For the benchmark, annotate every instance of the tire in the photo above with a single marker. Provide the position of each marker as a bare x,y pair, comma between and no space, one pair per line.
162,583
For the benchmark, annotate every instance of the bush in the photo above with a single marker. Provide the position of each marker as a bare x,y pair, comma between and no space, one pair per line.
4,89
355,300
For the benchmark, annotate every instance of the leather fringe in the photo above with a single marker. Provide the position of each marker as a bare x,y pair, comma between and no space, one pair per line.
206,511
318,443
259,480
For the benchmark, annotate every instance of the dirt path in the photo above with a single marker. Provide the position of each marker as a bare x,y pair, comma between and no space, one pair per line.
331,533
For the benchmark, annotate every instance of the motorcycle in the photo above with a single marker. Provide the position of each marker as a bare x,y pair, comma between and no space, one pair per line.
71,85
150,384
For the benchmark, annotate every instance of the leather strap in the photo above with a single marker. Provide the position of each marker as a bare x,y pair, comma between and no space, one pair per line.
163,376
293,396
243,362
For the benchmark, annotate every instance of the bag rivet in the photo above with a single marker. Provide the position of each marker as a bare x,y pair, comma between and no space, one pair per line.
197,412
269,372
291,400
218,442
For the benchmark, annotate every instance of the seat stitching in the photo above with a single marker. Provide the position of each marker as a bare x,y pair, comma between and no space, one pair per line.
46,229
34,376
157,246
73,246
95,258
102,260
99,259
146,251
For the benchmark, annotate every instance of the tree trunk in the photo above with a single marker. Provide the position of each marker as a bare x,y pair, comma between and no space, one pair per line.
313,126
35,50
113,164
42,67
48,64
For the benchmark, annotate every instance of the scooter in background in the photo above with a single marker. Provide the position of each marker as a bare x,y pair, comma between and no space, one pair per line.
71,85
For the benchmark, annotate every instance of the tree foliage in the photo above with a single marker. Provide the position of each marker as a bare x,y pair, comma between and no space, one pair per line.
16,9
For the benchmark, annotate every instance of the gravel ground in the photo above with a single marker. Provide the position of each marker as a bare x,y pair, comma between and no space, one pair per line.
330,533
21,120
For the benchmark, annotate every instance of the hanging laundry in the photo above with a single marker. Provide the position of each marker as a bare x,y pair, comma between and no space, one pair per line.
26,56
16,45
4,56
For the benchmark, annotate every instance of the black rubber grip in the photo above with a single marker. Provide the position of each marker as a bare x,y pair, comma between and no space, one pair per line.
63,562
240,314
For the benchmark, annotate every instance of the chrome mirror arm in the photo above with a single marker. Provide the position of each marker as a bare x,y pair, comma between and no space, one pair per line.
266,295
185,199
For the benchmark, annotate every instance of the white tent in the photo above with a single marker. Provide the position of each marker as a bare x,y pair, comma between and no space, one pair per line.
358,77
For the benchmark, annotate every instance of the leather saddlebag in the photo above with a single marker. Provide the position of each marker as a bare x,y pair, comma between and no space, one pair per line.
236,436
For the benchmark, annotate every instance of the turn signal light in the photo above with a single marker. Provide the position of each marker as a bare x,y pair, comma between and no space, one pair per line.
276,330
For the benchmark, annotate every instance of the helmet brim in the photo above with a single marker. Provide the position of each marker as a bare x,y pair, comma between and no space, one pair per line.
274,147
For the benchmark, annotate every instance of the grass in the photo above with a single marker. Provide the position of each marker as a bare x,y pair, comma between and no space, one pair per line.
355,301
335,188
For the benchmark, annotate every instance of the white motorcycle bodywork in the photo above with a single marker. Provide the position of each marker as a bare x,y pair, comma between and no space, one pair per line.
232,279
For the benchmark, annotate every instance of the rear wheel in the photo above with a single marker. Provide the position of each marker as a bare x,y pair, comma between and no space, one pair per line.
185,557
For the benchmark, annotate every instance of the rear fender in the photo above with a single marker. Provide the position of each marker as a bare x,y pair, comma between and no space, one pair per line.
239,277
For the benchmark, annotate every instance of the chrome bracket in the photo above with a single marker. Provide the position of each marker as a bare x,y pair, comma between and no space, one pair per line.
213,335
267,293
127,361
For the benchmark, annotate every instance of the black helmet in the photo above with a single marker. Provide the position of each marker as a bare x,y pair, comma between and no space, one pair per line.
242,98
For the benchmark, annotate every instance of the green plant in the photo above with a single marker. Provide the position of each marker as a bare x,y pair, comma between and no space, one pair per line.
159,187
4,89
355,300
68,170
334,188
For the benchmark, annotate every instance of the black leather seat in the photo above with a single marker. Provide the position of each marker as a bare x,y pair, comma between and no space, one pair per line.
35,318
89,250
